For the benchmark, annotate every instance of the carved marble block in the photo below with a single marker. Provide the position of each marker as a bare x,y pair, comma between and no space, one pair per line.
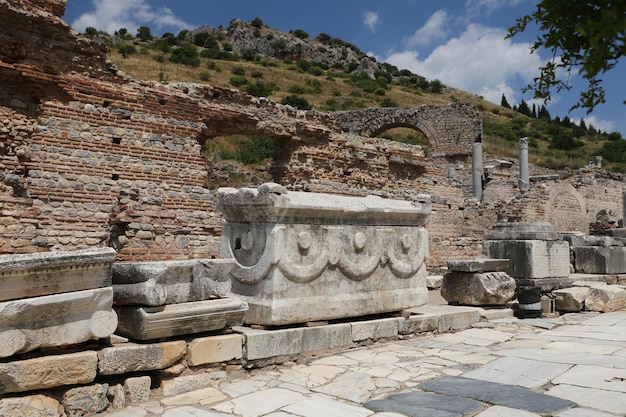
307,256
170,282
173,298
35,274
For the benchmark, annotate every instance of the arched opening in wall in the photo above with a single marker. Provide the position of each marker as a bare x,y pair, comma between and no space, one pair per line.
409,136
239,160
566,209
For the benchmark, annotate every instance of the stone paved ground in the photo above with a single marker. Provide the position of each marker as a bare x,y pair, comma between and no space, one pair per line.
570,366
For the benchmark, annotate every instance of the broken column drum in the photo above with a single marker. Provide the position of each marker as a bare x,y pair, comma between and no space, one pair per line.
307,256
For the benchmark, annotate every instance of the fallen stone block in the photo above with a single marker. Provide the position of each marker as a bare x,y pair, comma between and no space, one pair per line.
478,289
31,406
570,300
171,282
606,299
215,349
46,273
434,282
56,320
123,359
600,259
82,401
146,323
48,372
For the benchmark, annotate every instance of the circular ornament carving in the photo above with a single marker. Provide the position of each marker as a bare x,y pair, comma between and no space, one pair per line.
406,242
359,241
304,240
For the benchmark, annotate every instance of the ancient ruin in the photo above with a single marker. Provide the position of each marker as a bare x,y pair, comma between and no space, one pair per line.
122,261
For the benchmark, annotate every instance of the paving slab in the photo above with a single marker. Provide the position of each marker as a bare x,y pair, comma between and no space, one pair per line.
583,412
353,386
609,401
571,358
599,377
189,411
518,371
511,396
427,402
321,405
259,403
499,411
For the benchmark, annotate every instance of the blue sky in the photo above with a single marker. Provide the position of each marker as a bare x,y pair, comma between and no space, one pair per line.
459,42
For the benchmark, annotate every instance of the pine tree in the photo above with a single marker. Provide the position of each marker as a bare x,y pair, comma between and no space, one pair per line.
523,108
504,102
544,114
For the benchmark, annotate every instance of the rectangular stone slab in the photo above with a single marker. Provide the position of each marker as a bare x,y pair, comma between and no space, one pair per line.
35,274
56,320
146,323
171,282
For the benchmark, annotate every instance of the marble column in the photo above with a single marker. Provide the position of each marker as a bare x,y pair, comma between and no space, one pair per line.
524,181
477,169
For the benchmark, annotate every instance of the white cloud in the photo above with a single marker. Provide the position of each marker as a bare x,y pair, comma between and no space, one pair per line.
487,7
111,15
603,125
434,29
480,61
371,20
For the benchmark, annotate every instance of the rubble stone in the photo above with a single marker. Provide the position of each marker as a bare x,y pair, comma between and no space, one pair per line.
570,299
606,299
88,400
137,390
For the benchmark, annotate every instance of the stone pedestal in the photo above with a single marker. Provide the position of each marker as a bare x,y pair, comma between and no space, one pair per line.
173,298
537,254
55,299
306,256
478,282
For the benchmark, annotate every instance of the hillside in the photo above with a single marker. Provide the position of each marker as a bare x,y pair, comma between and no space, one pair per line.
329,74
